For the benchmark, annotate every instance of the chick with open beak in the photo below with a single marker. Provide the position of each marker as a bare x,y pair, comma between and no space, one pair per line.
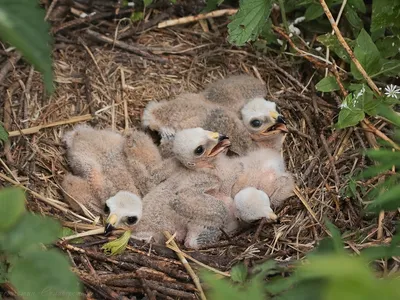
197,148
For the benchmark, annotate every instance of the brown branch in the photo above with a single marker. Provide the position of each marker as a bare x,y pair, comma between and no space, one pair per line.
190,19
347,48
141,51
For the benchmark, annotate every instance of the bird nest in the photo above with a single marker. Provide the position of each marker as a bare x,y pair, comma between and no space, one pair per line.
105,86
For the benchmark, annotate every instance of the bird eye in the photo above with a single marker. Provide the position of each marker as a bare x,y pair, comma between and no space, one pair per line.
199,150
131,220
255,123
106,209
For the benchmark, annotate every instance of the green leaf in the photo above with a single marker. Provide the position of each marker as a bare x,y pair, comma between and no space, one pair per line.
357,5
331,41
388,113
385,13
352,106
117,246
248,22
239,273
352,17
390,67
388,46
3,272
379,252
67,232
313,11
3,134
30,231
223,289
137,16
45,275
22,25
212,5
367,54
336,236
387,201
348,118
147,2
12,207
327,84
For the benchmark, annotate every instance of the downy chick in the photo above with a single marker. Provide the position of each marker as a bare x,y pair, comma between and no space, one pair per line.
244,96
189,203
96,157
184,202
190,111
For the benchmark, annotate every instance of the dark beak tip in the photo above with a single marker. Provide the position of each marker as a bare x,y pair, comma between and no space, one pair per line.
223,137
281,120
108,229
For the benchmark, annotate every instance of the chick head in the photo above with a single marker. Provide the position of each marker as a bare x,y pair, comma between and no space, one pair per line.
253,204
262,119
124,209
198,148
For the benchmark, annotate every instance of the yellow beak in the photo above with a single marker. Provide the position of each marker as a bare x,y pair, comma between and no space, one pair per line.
110,223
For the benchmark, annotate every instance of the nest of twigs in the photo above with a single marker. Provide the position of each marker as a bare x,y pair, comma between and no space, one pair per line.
107,86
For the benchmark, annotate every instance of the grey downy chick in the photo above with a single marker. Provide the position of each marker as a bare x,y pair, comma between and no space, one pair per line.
244,95
184,203
190,111
96,157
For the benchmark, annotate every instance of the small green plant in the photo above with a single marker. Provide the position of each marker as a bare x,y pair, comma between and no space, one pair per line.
28,261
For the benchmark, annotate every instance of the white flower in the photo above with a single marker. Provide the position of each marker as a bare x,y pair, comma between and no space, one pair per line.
392,91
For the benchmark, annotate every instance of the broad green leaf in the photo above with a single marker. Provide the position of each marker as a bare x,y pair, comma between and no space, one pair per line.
267,33
45,275
379,252
357,5
30,231
388,201
248,22
327,84
304,290
212,5
385,13
3,134
367,54
354,20
375,170
117,246
267,268
239,273
12,207
66,231
22,25
331,41
390,67
384,156
147,2
137,16
348,118
336,236
388,46
388,113
313,11
223,289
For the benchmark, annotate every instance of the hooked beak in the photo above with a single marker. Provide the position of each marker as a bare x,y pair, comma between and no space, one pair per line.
272,216
110,223
223,144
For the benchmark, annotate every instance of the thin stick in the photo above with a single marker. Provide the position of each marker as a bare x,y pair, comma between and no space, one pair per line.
141,51
44,199
188,268
199,262
380,134
36,129
126,116
191,19
347,48
82,234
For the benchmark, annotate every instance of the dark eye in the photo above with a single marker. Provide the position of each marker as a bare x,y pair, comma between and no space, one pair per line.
199,150
106,209
256,123
131,220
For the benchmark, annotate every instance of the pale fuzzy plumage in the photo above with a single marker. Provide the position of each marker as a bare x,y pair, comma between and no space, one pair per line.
125,205
234,91
191,110
252,204
96,156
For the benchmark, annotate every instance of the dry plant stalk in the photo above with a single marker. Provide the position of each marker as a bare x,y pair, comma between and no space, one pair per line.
185,263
